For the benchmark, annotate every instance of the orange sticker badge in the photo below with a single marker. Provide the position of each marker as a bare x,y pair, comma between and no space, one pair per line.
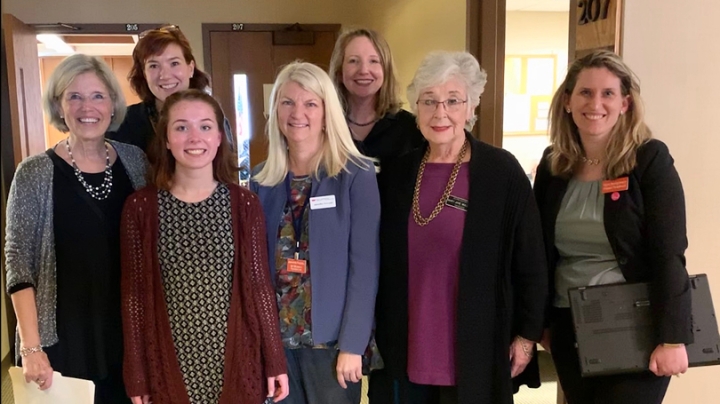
617,185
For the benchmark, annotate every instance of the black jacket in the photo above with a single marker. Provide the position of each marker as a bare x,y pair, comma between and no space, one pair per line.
392,136
646,230
137,128
502,275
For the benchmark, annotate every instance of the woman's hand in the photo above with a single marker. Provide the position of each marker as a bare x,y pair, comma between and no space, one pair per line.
349,367
36,368
521,352
278,387
669,360
141,399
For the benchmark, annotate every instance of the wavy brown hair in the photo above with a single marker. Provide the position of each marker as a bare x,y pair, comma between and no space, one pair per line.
628,134
388,98
225,169
153,43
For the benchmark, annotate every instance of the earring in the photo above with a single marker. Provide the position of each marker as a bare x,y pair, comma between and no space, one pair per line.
622,112
568,110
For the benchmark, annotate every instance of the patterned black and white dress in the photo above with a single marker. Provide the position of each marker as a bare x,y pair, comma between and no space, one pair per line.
196,252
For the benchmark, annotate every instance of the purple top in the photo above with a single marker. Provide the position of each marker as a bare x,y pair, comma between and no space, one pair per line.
433,262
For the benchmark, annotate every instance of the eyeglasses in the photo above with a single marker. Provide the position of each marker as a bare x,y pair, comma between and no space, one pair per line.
167,28
451,104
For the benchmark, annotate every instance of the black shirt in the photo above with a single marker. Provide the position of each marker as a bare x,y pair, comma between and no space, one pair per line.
392,136
87,249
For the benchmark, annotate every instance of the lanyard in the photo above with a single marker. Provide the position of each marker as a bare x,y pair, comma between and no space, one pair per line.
296,221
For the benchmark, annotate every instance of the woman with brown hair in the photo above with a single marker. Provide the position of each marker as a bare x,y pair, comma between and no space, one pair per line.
613,211
199,314
363,72
163,64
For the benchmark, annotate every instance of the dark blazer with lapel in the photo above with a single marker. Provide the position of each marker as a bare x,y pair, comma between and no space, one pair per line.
344,252
646,229
502,279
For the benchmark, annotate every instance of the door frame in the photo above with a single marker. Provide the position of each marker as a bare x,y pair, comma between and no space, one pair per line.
485,39
94,29
209,28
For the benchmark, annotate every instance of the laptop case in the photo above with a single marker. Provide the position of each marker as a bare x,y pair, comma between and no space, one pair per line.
615,332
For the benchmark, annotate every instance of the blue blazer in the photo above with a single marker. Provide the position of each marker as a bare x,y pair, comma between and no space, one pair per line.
344,253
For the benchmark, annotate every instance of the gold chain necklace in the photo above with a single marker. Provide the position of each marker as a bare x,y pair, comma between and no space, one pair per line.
421,221
592,162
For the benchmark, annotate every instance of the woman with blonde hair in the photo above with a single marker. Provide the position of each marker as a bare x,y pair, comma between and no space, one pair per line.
322,209
613,211
363,71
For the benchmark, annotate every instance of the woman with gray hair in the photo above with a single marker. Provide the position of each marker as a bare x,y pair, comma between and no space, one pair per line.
62,237
322,211
463,280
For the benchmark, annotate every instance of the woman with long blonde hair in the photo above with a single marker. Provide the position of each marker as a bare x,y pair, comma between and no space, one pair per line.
613,211
322,208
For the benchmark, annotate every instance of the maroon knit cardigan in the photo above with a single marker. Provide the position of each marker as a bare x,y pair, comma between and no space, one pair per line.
253,350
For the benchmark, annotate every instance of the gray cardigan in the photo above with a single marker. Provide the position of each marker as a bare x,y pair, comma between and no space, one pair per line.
30,238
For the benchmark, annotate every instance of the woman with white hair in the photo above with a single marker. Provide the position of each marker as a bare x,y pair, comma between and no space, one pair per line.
322,211
463,279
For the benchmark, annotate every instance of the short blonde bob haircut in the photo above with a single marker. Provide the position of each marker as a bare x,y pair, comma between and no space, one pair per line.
629,133
338,148
388,98
439,67
65,73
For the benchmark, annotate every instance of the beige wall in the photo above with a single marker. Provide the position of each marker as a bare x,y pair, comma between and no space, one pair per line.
672,47
538,32
535,33
188,14
412,27
415,27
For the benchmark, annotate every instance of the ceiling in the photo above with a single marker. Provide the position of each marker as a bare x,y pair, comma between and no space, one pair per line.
538,5
100,45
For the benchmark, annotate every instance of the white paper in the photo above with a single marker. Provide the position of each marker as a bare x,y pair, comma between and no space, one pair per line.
322,202
64,390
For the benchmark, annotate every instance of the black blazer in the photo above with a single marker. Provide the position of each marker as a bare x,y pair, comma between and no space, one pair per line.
392,136
646,230
502,274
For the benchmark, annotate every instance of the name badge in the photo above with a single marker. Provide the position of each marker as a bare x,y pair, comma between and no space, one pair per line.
457,203
617,185
296,266
322,202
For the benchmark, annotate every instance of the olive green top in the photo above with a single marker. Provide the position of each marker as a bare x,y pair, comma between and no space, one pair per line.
586,257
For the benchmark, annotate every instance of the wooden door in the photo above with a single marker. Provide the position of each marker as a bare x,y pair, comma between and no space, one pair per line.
23,71
256,55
